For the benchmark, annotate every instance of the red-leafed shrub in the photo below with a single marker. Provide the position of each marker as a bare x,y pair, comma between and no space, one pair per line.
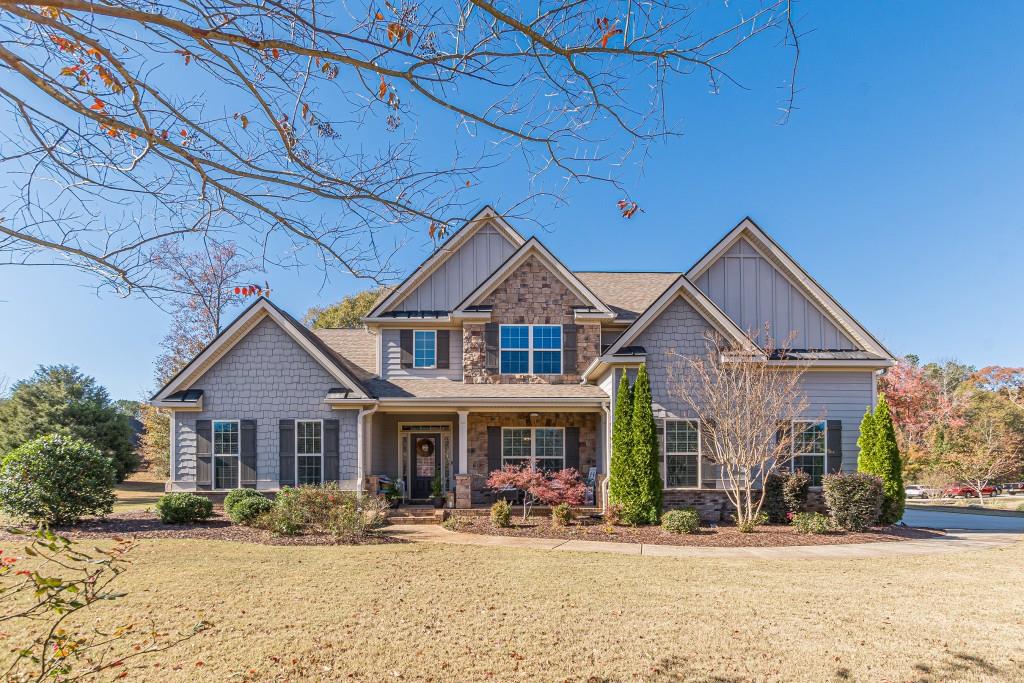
549,488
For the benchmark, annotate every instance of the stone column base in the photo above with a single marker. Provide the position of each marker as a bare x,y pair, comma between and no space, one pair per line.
463,491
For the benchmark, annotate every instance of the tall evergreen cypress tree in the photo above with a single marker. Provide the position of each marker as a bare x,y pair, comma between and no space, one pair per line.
888,454
866,441
621,481
880,455
647,497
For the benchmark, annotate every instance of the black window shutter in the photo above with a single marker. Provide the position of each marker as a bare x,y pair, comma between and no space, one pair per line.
491,346
572,447
332,470
493,449
286,473
405,342
204,454
834,446
247,473
444,348
569,333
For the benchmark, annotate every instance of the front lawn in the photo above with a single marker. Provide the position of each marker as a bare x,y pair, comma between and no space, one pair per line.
412,612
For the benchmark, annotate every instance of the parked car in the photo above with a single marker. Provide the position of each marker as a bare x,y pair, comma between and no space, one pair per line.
1015,488
968,491
919,491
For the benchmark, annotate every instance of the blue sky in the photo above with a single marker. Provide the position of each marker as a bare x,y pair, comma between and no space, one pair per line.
896,184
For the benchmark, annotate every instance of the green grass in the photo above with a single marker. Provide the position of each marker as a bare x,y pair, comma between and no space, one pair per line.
419,612
139,491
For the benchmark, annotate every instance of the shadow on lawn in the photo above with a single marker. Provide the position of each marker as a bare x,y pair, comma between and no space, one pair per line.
955,664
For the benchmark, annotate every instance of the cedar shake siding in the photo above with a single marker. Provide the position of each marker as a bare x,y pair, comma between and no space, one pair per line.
531,295
265,377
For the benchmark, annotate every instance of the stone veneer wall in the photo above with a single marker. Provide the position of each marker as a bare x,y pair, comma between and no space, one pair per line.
588,423
714,506
532,294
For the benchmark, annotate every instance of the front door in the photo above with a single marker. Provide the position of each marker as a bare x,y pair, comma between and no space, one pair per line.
426,463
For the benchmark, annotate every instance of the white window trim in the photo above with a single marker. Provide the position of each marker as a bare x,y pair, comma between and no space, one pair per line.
214,455
793,454
432,366
533,445
666,453
530,349
309,455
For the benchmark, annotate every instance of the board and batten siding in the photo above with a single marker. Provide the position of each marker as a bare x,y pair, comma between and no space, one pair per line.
753,292
391,365
266,377
680,331
461,273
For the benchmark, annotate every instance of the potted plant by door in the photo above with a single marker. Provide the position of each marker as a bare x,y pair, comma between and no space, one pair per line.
437,492
392,493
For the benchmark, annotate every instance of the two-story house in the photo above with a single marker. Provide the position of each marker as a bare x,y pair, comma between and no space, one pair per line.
493,352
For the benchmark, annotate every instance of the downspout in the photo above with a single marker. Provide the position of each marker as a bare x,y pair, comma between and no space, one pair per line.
360,440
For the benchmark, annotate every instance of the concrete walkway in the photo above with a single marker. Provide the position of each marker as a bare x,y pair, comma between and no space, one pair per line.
958,541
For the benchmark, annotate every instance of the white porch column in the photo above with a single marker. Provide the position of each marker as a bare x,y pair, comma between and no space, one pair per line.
463,441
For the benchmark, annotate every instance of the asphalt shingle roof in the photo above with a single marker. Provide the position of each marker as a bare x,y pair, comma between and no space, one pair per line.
627,294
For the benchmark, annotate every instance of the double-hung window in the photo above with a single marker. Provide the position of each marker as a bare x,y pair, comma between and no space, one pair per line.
682,453
809,449
226,444
424,349
531,349
542,448
309,452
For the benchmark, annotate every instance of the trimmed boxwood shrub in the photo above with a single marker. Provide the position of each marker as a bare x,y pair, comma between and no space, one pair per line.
854,500
183,508
795,489
236,496
57,480
684,521
501,514
812,523
249,508
774,504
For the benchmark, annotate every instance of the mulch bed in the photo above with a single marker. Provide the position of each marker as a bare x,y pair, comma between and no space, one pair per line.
723,536
143,524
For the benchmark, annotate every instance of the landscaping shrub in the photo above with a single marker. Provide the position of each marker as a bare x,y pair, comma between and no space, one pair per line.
774,504
854,500
785,493
501,514
236,496
249,509
324,510
613,514
57,480
1020,508
685,521
750,525
455,523
562,515
182,508
795,489
812,523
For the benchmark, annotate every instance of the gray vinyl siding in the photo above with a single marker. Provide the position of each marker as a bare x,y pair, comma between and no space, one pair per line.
753,292
266,377
392,368
461,273
680,331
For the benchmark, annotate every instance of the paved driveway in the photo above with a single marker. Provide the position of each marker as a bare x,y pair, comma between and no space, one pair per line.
962,520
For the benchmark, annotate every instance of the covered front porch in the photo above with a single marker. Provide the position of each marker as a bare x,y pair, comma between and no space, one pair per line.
461,447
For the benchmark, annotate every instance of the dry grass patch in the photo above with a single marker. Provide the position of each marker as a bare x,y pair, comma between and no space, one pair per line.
420,612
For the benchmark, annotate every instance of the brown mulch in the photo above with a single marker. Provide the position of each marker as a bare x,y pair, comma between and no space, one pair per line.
143,524
724,536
